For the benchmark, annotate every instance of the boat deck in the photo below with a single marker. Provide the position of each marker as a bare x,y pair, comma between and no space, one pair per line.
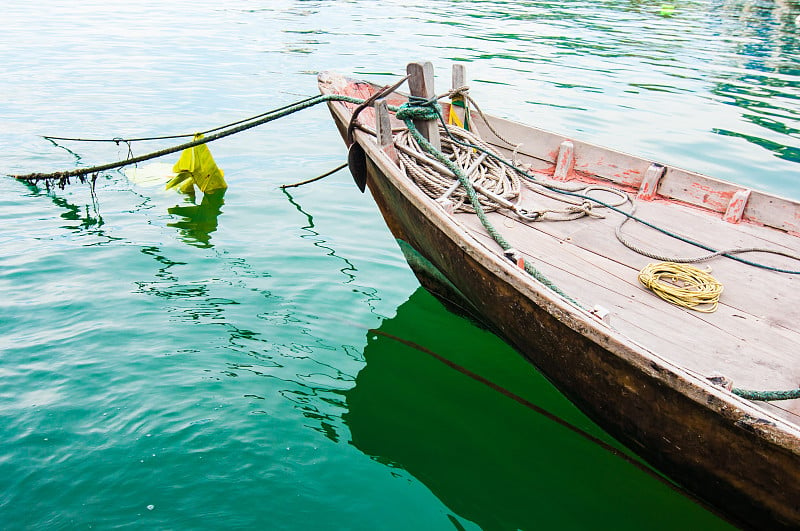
751,339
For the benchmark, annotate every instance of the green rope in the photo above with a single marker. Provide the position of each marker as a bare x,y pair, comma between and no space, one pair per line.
420,109
62,178
766,396
119,140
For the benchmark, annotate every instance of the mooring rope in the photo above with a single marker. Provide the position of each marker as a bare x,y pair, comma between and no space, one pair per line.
62,178
766,396
317,178
118,140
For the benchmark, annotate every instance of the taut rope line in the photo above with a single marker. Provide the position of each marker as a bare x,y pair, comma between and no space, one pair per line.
63,177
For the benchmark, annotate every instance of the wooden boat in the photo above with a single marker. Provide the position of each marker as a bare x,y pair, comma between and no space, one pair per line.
655,375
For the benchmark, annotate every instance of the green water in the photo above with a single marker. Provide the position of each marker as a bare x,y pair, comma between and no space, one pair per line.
230,363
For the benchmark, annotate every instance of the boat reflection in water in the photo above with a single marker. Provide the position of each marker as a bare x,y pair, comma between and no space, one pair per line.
488,453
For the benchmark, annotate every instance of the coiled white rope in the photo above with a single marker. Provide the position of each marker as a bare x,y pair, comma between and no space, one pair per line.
497,185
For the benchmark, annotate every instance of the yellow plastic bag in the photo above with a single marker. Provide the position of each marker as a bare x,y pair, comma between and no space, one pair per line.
197,167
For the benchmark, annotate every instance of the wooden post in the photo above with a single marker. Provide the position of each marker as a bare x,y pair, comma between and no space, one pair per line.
421,86
649,187
383,128
564,161
736,206
456,109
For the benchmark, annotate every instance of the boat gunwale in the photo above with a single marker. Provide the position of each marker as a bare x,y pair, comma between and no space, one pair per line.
677,184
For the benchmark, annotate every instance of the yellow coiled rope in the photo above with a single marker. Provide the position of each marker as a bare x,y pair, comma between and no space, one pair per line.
683,285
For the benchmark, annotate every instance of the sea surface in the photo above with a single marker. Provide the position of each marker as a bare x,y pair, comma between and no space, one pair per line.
261,359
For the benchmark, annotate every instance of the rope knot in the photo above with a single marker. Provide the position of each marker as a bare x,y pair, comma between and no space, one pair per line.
459,94
587,209
419,109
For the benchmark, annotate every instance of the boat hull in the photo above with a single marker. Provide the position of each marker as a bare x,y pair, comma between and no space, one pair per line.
710,449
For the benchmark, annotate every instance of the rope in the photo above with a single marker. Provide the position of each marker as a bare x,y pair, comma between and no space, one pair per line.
118,140
317,178
692,260
497,186
420,109
766,396
62,178
682,285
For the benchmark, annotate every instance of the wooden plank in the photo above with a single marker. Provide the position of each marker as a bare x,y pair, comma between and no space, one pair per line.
459,80
697,189
784,409
421,85
383,129
773,211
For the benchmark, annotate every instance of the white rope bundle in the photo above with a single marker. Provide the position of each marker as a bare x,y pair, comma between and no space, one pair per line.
496,184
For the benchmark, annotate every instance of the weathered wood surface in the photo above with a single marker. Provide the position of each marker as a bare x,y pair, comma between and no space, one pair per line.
383,129
421,85
629,171
643,379
459,79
